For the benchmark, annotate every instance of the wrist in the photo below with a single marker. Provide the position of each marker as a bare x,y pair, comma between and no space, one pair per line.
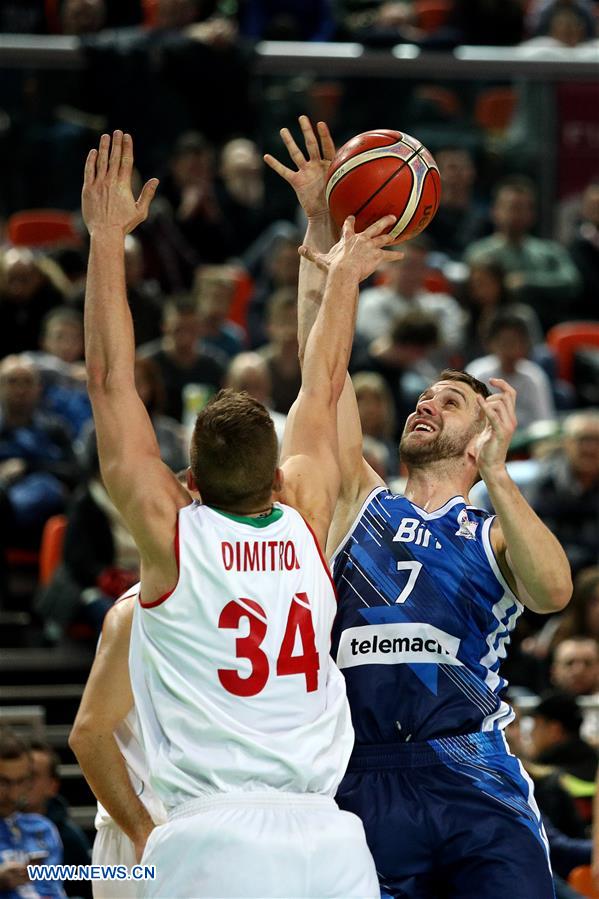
318,216
495,475
106,233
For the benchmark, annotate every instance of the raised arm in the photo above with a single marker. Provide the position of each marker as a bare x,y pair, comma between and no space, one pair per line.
107,700
527,552
142,488
309,182
310,462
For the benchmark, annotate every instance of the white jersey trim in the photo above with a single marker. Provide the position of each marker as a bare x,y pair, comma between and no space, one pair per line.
374,492
437,513
490,554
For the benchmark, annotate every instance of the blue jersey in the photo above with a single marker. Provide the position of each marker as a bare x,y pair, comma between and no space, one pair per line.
22,834
424,619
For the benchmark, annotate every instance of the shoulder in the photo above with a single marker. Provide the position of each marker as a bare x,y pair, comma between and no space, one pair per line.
482,247
30,823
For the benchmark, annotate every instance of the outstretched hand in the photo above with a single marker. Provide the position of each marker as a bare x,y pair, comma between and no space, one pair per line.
362,253
107,199
499,410
310,178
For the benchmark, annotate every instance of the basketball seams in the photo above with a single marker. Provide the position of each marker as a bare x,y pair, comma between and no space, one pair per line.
406,162
370,155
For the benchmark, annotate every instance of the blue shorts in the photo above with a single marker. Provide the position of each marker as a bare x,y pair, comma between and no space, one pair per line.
453,818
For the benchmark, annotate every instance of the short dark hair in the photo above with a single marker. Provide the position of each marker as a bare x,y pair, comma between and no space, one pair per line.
181,304
519,183
455,374
11,745
415,328
53,758
507,321
560,707
62,314
234,452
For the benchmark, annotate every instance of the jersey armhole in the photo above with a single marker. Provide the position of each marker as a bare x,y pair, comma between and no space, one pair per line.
374,492
492,560
165,596
323,560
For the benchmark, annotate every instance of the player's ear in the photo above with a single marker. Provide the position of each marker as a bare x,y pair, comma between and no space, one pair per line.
190,482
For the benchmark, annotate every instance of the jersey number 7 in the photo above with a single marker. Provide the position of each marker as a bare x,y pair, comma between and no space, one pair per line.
298,620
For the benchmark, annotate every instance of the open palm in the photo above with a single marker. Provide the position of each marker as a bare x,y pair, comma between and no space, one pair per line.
310,178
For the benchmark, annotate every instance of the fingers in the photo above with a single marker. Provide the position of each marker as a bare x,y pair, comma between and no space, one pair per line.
102,161
316,258
278,167
146,196
380,226
393,256
126,167
326,141
116,152
348,227
89,173
309,137
292,148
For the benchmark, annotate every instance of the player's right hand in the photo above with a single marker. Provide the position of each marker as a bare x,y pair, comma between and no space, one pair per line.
310,179
12,876
107,200
358,253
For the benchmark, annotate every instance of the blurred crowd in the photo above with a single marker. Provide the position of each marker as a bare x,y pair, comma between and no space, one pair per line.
212,285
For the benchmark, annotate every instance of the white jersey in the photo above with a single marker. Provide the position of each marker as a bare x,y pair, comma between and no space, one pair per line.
128,738
234,686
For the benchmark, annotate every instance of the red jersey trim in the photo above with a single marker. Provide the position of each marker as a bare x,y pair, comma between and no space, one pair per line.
165,596
323,560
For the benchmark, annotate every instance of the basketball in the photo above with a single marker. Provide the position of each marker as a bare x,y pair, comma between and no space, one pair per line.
382,173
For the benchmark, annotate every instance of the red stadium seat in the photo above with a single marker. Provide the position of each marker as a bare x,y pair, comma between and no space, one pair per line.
568,337
580,879
494,108
244,288
51,547
432,14
42,227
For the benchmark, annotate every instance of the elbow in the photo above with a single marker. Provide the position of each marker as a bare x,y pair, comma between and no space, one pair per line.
558,597
79,738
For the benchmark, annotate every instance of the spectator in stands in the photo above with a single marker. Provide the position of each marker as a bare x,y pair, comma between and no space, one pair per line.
181,357
241,193
460,218
376,408
538,271
584,250
287,20
144,294
24,838
100,560
44,799
404,291
249,372
540,15
37,463
403,359
169,433
276,266
575,668
555,737
61,368
213,290
280,353
79,17
485,295
383,24
29,288
189,187
508,339
565,493
494,22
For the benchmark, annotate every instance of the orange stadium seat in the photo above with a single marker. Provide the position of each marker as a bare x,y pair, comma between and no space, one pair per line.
51,547
42,227
494,108
580,879
566,338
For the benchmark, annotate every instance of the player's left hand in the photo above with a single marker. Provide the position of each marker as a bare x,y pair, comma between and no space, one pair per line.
499,410
309,181
107,199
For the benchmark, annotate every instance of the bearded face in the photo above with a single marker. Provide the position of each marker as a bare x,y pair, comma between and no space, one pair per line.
426,441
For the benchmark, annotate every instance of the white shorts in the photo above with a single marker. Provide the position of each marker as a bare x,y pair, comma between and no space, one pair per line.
264,845
113,847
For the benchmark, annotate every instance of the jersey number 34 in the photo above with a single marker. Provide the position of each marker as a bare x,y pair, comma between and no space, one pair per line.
248,647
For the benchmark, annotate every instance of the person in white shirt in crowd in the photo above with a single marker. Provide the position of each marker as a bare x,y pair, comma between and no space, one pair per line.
404,291
509,341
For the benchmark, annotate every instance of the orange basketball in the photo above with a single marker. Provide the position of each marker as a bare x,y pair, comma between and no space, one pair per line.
382,173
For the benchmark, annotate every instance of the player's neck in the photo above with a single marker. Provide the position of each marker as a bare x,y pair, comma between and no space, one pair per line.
432,486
